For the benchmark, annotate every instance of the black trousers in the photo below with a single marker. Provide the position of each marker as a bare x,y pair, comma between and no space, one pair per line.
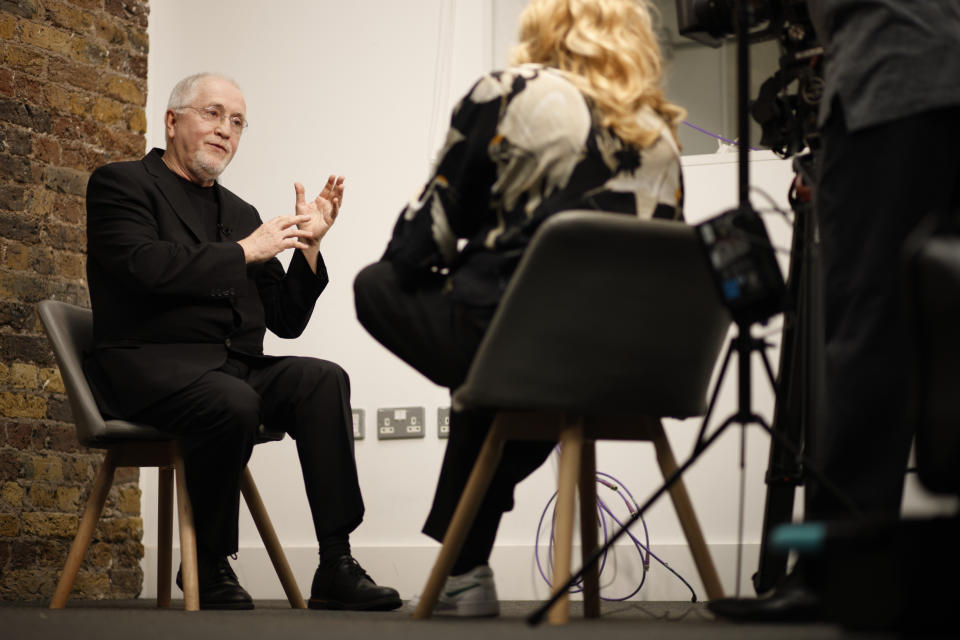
876,185
438,337
217,418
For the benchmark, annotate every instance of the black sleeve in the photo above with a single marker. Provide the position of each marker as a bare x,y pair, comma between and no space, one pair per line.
455,198
288,298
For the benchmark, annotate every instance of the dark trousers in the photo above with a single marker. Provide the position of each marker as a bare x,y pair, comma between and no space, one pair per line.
876,185
438,337
217,419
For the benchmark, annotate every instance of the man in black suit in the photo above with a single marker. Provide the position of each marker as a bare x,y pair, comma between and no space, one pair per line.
184,281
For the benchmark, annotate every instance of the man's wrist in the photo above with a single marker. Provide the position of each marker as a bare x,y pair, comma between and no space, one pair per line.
247,259
311,254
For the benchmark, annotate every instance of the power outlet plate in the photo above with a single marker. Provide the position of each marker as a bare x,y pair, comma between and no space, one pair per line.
443,422
400,423
358,420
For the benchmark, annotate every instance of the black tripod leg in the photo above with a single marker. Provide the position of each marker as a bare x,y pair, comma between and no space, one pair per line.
811,470
793,397
713,399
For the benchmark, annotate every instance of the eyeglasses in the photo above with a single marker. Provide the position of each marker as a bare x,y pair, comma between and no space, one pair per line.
216,113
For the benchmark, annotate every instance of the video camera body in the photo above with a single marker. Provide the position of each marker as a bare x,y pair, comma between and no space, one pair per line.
786,108
736,243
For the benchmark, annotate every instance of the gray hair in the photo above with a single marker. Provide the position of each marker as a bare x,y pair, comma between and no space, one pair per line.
184,90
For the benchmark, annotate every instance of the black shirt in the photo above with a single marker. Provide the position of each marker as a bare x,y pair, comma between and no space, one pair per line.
206,202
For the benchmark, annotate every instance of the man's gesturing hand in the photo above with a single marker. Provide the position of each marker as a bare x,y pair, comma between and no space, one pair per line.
322,210
275,236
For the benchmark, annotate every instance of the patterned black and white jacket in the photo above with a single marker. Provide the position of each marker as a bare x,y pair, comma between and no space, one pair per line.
523,144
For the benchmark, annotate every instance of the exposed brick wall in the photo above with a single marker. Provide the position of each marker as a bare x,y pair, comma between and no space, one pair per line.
72,97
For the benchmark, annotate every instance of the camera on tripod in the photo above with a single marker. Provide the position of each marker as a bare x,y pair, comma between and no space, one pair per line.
786,107
741,257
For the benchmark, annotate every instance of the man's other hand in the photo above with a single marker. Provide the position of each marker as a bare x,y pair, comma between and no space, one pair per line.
274,236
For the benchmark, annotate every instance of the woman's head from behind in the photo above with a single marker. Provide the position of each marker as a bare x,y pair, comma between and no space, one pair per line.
608,48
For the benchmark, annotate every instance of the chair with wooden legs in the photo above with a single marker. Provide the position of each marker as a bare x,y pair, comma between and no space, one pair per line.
70,329
609,324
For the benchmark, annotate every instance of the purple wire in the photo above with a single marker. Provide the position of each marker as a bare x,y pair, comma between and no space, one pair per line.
603,558
577,588
644,564
646,547
658,559
602,510
632,508
718,137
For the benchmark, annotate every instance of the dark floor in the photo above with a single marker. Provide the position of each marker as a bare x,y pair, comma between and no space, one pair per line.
274,620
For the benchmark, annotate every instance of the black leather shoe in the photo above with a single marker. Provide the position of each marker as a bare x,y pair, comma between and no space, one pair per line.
219,587
791,602
345,585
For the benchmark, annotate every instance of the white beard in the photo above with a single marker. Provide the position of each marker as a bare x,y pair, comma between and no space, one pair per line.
206,167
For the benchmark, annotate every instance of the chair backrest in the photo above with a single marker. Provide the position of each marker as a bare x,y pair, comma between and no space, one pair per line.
70,330
931,275
606,314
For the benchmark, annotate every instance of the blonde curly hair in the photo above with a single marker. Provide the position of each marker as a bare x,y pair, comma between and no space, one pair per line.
608,50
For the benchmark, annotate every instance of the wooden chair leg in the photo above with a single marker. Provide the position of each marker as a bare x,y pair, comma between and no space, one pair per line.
188,537
164,534
88,523
463,518
589,536
571,442
686,515
269,535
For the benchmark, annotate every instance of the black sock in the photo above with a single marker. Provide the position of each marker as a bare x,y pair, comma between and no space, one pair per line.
471,556
479,543
463,565
332,548
206,560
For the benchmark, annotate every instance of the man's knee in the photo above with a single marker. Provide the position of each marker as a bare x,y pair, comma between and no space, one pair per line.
317,373
235,409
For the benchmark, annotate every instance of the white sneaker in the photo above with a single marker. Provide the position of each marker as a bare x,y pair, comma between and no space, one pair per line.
471,595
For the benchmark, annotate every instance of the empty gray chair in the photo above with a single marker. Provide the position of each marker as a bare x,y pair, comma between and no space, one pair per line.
608,324
70,329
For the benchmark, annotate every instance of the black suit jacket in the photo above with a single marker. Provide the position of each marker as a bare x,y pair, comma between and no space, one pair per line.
169,305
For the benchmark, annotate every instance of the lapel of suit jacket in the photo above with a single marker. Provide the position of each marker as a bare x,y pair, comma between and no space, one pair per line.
231,224
170,187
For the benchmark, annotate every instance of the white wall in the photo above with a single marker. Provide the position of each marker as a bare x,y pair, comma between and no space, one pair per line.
364,88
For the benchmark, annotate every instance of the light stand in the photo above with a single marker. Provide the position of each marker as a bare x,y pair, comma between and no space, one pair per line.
744,344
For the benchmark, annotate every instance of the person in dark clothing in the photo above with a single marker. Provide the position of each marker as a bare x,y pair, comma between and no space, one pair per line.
184,282
890,125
